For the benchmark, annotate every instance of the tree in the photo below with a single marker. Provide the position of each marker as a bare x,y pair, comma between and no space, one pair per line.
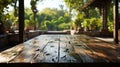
91,13
53,18
75,4
28,13
33,4
14,4
3,5
40,19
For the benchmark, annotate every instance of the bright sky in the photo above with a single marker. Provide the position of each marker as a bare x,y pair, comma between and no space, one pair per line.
45,4
48,3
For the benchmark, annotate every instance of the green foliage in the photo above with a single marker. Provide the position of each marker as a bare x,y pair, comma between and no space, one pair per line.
50,25
28,13
74,4
43,26
53,18
92,24
79,19
110,26
94,12
27,23
90,17
72,25
64,26
3,5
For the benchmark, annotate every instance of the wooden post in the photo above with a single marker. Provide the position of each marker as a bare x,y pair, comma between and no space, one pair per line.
116,22
21,21
104,14
104,20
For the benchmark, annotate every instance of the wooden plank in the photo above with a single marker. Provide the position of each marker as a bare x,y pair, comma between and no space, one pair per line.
57,49
30,49
97,56
7,55
50,53
80,49
66,50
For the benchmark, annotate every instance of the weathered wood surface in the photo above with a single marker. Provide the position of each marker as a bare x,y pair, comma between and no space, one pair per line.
62,49
48,53
65,50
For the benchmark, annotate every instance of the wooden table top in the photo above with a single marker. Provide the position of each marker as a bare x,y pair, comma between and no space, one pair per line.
61,49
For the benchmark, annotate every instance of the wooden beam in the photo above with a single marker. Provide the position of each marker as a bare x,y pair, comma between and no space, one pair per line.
105,8
21,21
104,19
116,22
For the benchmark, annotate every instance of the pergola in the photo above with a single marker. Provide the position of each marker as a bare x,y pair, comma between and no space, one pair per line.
101,4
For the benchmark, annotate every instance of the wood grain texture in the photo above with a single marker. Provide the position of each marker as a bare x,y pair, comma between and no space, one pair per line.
61,49
65,50
49,54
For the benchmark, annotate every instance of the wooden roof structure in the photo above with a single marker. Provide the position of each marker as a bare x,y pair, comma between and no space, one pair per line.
96,3
101,4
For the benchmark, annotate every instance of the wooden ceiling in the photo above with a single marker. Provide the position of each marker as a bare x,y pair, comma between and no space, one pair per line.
96,3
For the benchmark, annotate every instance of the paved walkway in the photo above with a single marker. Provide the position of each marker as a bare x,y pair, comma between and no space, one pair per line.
105,39
62,49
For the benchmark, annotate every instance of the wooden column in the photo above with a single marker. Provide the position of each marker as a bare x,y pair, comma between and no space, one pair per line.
21,21
116,21
104,14
104,20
